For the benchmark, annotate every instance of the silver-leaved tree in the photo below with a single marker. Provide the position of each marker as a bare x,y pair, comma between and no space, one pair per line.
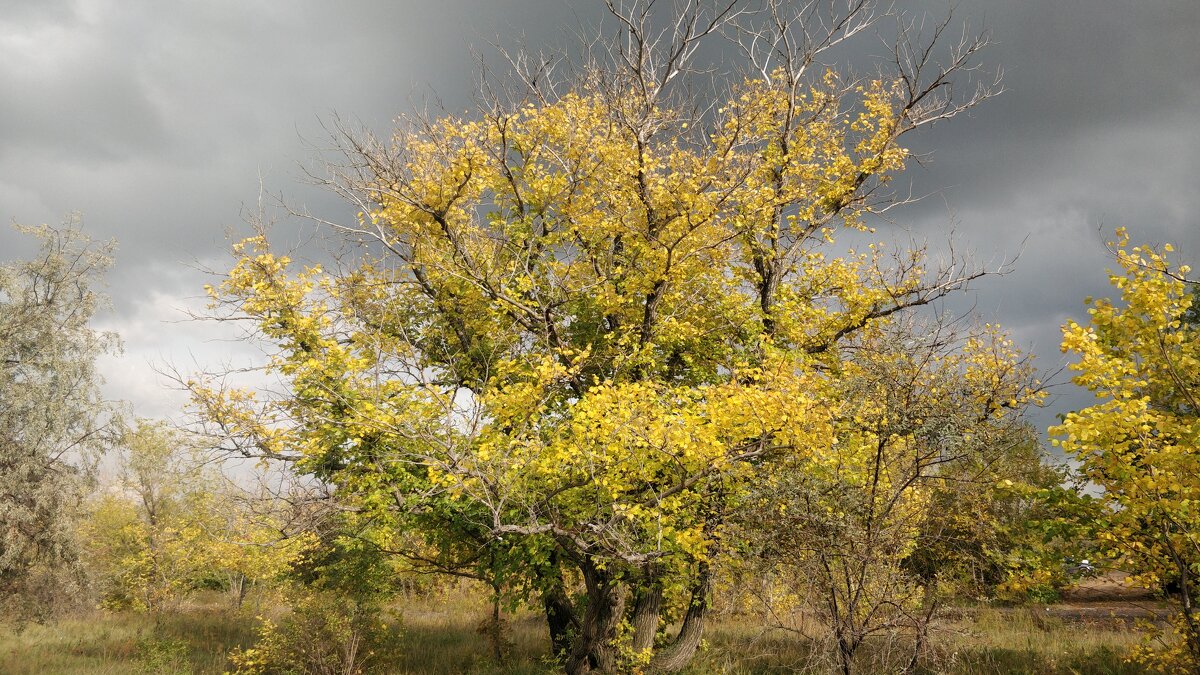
53,419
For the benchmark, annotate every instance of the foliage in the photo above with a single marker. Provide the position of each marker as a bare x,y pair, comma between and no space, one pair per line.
1047,527
53,420
922,411
1141,358
353,557
1165,649
168,525
994,529
325,634
582,323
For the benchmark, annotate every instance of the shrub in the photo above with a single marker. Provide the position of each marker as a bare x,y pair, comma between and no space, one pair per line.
162,656
325,634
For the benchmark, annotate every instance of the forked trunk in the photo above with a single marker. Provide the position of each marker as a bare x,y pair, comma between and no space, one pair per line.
679,653
646,610
845,656
594,650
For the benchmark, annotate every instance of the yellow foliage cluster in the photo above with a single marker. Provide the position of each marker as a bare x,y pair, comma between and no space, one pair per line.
166,527
1141,358
581,313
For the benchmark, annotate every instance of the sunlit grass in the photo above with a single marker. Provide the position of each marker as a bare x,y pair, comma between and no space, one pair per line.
1033,640
441,636
193,642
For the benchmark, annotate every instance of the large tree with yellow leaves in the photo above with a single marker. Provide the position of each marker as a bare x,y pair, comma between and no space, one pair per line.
581,321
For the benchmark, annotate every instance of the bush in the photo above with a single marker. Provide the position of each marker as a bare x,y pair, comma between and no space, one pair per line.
324,634
1165,649
162,656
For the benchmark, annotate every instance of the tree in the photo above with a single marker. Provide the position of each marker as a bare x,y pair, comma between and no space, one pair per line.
995,529
169,524
1138,442
580,323
921,411
53,420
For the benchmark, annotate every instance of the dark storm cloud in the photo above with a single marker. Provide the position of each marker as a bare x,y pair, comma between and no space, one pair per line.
1096,129
158,120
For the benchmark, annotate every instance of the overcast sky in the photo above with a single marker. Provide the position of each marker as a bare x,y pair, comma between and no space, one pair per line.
159,122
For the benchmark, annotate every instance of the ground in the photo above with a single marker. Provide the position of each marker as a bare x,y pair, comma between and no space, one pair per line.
1086,633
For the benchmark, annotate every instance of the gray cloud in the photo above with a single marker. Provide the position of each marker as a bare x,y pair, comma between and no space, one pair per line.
158,121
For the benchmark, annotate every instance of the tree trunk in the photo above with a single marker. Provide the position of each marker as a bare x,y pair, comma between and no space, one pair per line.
679,653
496,629
646,611
1186,609
929,606
845,655
238,586
593,650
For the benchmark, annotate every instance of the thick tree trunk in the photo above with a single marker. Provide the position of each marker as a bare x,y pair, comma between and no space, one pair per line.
679,653
594,650
646,610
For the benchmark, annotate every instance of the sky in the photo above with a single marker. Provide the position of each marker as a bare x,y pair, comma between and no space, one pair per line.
165,123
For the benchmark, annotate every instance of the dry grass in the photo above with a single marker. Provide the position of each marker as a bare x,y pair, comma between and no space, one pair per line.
105,644
1034,640
441,636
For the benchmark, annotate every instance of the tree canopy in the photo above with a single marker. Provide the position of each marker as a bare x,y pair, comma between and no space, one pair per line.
582,322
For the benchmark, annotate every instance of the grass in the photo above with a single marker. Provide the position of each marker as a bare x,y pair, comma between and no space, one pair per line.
1025,640
102,644
441,636
983,641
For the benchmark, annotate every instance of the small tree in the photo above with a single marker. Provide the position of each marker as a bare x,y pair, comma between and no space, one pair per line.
994,529
168,525
53,420
1138,442
920,410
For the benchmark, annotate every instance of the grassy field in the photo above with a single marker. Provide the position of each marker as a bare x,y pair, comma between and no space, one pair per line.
441,636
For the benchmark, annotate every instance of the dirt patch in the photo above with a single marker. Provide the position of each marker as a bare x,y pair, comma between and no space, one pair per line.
1110,587
1109,612
1103,601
